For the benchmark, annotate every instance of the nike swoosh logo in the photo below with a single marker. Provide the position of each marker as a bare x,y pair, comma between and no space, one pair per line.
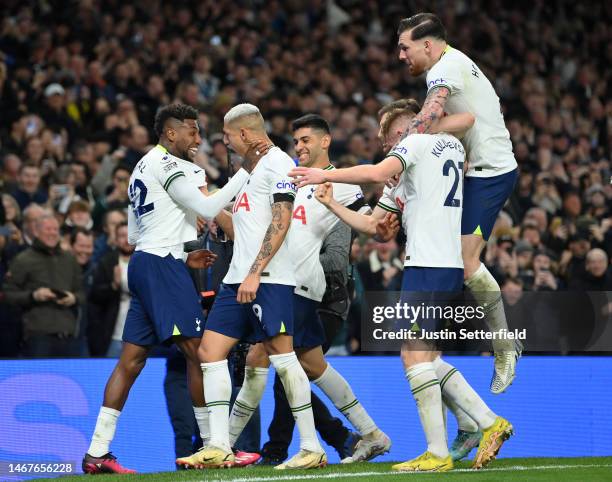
198,171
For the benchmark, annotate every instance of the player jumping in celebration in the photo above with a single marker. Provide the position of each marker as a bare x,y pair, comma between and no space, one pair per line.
310,226
456,84
255,302
165,306
430,185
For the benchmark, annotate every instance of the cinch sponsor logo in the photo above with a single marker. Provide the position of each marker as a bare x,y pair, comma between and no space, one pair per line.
401,149
286,185
435,82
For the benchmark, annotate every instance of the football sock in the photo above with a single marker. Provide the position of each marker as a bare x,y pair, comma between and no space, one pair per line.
297,389
487,294
248,399
425,388
217,392
104,432
201,416
343,398
455,387
464,421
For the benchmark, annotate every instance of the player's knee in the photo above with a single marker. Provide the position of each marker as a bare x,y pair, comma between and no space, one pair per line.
134,366
257,357
205,355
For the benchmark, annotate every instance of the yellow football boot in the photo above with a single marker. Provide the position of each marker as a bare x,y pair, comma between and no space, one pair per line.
208,457
304,459
491,441
427,462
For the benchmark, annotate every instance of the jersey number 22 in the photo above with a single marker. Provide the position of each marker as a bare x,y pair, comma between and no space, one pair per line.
138,196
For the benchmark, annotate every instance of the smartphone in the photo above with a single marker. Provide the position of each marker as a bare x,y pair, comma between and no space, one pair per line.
59,293
61,189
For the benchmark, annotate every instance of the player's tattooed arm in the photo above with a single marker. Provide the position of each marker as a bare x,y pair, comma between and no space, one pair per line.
275,235
432,111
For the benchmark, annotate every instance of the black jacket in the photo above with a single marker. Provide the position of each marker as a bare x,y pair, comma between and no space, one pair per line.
103,305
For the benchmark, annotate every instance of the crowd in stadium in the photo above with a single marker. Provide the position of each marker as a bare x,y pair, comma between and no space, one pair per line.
79,89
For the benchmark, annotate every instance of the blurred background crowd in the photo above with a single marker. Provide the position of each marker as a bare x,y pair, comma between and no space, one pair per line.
80,83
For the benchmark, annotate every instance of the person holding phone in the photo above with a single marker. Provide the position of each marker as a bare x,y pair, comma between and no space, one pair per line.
45,282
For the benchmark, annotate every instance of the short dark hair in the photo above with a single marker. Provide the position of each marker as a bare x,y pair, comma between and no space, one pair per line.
179,112
423,25
76,230
401,104
313,121
121,167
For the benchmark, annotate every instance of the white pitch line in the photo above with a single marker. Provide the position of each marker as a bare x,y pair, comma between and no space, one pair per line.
335,475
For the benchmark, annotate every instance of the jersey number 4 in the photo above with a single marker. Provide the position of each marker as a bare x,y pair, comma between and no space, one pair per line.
449,166
300,213
138,195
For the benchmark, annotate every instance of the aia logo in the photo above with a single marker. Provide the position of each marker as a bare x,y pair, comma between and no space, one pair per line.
399,202
300,213
242,202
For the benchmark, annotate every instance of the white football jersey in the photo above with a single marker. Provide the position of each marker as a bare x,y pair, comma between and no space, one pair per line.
160,221
488,145
310,225
252,214
429,195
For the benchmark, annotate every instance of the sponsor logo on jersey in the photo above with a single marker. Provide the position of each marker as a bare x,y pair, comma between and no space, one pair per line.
400,150
242,202
286,185
439,81
169,167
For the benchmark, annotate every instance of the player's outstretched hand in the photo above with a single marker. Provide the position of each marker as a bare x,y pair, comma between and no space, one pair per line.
248,289
387,227
306,175
325,193
201,259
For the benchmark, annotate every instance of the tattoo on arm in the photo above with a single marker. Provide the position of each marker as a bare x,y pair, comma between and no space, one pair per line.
432,110
281,219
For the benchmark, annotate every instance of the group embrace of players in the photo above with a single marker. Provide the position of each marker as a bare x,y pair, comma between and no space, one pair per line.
275,281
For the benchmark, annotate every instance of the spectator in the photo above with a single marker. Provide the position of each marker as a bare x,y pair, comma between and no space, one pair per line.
106,241
110,300
597,275
45,282
29,188
54,112
382,269
116,196
9,178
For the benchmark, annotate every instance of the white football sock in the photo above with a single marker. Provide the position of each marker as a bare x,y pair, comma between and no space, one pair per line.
340,393
487,293
455,387
425,388
217,392
297,389
201,416
248,399
104,432
464,421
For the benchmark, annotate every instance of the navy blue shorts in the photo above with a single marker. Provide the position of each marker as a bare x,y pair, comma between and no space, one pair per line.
309,331
164,301
429,287
269,315
483,199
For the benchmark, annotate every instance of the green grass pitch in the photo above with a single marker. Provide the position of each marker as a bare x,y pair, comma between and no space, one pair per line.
503,470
